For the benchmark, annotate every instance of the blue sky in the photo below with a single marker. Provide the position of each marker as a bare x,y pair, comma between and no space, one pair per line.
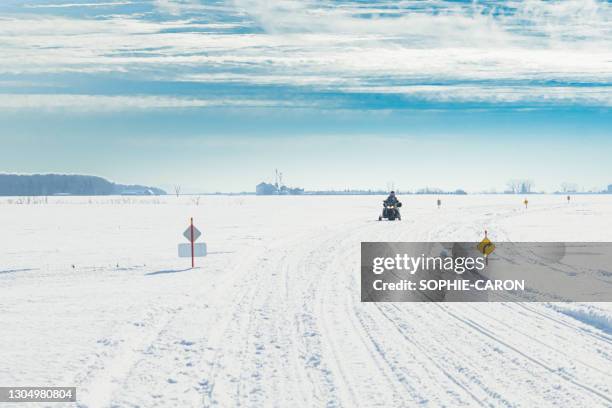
347,94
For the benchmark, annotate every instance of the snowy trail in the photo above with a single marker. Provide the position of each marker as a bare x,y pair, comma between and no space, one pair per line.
273,317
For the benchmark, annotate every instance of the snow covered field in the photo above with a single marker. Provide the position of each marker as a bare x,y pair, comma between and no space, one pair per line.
92,295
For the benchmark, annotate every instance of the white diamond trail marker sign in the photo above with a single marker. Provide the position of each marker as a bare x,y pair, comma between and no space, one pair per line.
192,249
196,234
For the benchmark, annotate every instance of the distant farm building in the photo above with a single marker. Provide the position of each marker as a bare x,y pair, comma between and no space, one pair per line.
266,189
271,189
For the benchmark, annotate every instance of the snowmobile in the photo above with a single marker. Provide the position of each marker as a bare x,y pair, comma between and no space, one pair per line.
390,211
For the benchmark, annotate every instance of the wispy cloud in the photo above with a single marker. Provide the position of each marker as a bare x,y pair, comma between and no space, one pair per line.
72,5
176,7
89,103
534,51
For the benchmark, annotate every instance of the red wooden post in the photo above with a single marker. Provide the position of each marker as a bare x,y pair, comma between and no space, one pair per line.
192,249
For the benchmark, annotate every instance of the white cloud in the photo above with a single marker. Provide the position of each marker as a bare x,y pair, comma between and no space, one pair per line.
86,103
72,5
591,96
327,46
176,7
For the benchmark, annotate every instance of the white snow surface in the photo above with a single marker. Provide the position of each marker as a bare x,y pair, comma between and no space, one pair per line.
93,295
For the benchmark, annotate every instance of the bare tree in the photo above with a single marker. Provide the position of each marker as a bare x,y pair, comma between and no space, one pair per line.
177,189
513,186
526,186
569,187
517,186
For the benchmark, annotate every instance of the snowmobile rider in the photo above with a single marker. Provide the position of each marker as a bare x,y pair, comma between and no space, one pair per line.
391,208
392,199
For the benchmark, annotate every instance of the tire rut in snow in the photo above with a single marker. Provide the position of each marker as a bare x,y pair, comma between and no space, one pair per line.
478,328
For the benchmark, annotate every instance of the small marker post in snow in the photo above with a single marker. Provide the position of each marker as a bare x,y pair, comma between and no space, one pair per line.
192,249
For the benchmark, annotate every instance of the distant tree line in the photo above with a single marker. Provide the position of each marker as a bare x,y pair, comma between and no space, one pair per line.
430,190
56,184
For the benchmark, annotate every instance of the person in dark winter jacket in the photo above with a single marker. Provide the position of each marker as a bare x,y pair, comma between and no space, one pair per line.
392,199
